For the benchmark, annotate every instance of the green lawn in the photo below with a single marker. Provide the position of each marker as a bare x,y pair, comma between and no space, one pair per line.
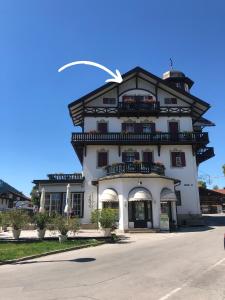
13,250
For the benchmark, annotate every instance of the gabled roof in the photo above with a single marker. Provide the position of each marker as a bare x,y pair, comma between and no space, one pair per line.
203,122
199,106
7,188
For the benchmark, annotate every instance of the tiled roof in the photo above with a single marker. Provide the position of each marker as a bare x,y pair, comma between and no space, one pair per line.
222,191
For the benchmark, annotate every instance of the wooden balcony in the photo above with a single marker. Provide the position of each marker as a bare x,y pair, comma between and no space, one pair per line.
204,154
143,168
157,138
141,109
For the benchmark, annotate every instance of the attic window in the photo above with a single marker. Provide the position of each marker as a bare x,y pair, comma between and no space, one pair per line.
109,101
170,100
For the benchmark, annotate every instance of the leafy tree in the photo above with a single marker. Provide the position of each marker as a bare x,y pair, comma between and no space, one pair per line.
215,187
35,197
223,168
202,184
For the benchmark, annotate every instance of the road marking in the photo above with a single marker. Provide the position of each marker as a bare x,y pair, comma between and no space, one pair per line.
167,296
173,292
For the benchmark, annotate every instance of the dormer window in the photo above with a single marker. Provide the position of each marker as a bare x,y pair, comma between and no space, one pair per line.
170,100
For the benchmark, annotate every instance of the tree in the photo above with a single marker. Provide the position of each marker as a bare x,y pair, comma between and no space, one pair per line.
202,184
223,168
215,187
35,198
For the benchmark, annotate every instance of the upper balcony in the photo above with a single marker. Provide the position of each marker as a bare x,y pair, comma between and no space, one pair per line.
156,138
142,168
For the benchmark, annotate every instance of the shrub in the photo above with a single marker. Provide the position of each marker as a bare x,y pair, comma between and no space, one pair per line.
107,217
15,218
41,220
64,224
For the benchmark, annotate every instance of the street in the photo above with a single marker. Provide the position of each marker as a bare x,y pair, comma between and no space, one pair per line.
183,265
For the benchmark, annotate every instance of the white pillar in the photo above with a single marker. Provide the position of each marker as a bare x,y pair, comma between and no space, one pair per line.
121,213
156,211
174,211
50,205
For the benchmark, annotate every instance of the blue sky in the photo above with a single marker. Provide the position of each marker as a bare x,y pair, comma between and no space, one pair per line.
37,37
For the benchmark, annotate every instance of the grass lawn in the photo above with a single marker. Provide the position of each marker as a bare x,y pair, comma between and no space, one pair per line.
13,250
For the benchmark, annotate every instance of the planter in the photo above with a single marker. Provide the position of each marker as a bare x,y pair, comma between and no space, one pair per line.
16,233
107,232
41,233
62,238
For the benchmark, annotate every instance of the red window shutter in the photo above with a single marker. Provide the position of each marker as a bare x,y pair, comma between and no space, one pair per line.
173,158
102,159
136,155
152,127
183,160
147,157
124,126
124,156
138,128
102,127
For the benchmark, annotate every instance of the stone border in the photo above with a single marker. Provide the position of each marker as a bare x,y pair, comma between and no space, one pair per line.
11,261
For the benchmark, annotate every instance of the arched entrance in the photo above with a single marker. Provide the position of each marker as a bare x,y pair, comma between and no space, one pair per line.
140,208
167,204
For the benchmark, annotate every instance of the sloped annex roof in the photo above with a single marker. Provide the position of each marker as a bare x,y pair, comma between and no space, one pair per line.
199,106
7,188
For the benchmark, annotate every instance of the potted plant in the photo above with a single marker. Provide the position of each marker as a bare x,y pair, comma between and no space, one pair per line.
64,225
17,219
41,221
107,218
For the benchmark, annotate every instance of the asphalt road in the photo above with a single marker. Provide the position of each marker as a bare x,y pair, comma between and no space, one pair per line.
184,265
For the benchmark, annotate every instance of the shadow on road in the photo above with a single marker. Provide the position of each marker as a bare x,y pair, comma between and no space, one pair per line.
77,260
214,220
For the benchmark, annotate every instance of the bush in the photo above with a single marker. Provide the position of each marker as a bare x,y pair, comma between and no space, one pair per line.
15,218
41,220
107,217
64,224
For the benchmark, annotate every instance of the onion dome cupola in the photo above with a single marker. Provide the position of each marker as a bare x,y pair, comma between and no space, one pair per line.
178,79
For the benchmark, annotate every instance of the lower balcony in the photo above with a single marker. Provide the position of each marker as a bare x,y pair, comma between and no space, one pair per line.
132,167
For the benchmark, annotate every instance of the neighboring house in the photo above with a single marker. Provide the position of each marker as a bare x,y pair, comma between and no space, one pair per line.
140,146
212,201
11,197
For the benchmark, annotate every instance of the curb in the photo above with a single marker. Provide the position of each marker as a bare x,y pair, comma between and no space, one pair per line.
7,262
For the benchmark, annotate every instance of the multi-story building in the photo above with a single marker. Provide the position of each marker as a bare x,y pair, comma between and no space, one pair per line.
140,147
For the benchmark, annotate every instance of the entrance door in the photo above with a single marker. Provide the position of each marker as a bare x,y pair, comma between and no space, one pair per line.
140,213
173,130
166,209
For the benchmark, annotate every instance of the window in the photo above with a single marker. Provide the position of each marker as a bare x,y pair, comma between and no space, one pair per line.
113,205
178,159
53,202
102,159
102,127
130,156
178,195
173,127
109,100
148,127
77,204
128,127
170,100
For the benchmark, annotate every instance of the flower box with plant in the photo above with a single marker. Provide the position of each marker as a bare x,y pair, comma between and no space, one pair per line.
107,218
137,162
17,219
65,225
41,221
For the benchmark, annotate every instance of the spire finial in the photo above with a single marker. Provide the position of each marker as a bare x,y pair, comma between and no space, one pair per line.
171,64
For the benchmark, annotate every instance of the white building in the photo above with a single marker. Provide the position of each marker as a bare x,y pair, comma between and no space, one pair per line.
140,146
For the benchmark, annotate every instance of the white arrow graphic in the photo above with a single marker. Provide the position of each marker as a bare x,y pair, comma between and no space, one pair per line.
116,76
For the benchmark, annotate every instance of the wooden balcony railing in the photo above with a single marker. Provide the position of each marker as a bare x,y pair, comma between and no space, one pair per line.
60,177
143,168
204,154
115,138
133,108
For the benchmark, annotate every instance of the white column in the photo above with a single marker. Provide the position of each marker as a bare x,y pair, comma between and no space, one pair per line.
121,213
50,205
156,211
174,211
